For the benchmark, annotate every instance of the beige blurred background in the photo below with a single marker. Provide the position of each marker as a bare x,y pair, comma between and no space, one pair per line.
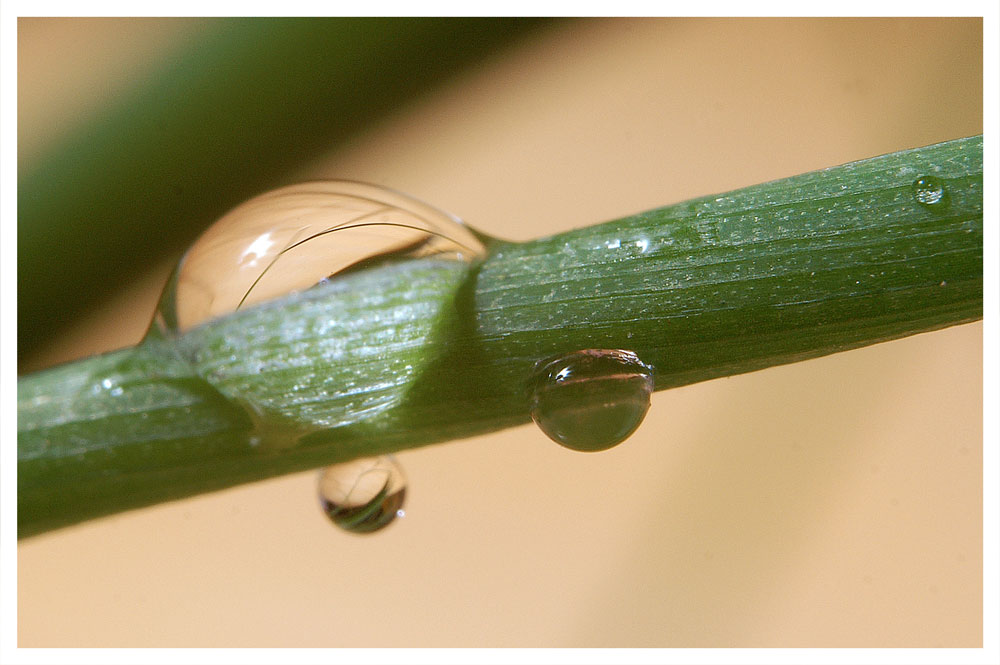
835,502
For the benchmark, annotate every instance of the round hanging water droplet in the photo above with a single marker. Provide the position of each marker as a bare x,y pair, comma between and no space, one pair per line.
300,237
592,399
930,192
363,495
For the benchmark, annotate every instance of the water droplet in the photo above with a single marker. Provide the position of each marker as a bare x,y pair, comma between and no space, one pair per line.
930,192
592,399
363,495
303,245
301,236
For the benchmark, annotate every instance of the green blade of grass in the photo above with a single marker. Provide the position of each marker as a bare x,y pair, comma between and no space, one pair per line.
427,351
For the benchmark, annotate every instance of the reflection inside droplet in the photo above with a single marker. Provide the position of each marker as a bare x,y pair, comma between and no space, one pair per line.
298,237
930,192
363,495
592,399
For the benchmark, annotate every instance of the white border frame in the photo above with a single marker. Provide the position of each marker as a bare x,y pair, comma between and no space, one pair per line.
990,653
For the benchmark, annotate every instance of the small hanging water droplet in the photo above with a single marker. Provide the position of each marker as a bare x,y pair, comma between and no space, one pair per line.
301,236
930,192
592,399
363,495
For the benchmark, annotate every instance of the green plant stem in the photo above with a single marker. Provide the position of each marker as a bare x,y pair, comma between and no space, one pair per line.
427,351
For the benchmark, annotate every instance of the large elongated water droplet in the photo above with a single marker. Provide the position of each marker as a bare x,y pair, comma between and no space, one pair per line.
592,399
930,192
301,236
363,495
313,306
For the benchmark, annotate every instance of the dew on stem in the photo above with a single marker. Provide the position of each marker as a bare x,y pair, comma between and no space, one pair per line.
592,399
301,246
363,495
300,237
930,192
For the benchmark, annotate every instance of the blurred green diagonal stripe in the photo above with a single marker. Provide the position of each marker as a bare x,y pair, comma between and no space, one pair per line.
250,100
